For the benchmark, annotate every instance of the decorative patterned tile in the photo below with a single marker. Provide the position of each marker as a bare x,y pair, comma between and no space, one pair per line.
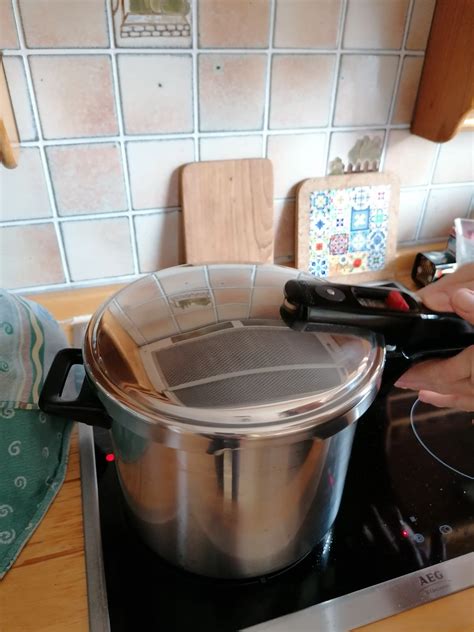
16,79
71,24
145,24
443,206
411,205
348,230
301,88
307,23
225,83
230,147
97,249
409,156
420,24
23,192
8,36
87,178
234,23
75,96
456,159
163,102
375,23
154,168
295,157
407,89
365,88
33,256
159,240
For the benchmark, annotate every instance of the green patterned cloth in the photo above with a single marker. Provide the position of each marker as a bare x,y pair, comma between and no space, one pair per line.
34,447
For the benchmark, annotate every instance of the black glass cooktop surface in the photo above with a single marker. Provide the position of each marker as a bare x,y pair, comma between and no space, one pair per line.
408,503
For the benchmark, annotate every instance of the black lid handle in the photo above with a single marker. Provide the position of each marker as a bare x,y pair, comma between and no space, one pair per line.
86,408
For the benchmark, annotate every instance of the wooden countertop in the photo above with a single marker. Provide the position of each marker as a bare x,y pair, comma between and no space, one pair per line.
46,591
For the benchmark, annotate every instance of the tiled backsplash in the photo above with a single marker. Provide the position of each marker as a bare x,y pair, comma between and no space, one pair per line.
111,99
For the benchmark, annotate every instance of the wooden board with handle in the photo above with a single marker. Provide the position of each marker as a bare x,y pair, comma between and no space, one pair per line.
228,211
346,227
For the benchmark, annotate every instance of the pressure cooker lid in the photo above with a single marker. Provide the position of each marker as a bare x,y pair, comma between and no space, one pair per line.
205,346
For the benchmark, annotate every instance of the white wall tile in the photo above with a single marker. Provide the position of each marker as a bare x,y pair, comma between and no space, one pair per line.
365,89
234,23
409,156
159,240
64,24
156,92
411,207
230,147
16,80
301,89
420,24
295,157
443,206
375,23
407,89
8,36
75,96
23,192
456,159
307,23
97,249
154,168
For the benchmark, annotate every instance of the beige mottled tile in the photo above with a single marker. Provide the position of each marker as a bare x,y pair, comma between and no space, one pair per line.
301,88
295,157
234,23
154,168
443,206
97,248
75,96
411,205
17,86
359,149
159,240
23,192
156,92
410,157
8,36
230,147
407,89
231,92
307,23
284,230
420,24
87,178
375,23
456,159
365,88
65,24
30,256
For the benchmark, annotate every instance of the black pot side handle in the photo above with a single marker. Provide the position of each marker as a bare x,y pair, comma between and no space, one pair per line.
86,408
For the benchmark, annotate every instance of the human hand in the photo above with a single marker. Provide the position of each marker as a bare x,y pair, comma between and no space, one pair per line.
447,383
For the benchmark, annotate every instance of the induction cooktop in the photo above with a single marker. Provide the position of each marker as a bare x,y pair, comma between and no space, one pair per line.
404,535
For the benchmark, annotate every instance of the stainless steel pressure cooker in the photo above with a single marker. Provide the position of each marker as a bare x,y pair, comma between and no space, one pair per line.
232,432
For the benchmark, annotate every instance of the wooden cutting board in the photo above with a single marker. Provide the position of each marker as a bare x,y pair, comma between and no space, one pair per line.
228,211
346,227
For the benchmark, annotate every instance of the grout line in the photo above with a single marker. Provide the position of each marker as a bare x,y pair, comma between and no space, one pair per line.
77,285
396,86
195,80
430,187
268,79
121,137
161,50
337,70
40,144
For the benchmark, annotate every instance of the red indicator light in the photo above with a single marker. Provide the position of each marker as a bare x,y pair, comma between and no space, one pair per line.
110,457
405,533
396,302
